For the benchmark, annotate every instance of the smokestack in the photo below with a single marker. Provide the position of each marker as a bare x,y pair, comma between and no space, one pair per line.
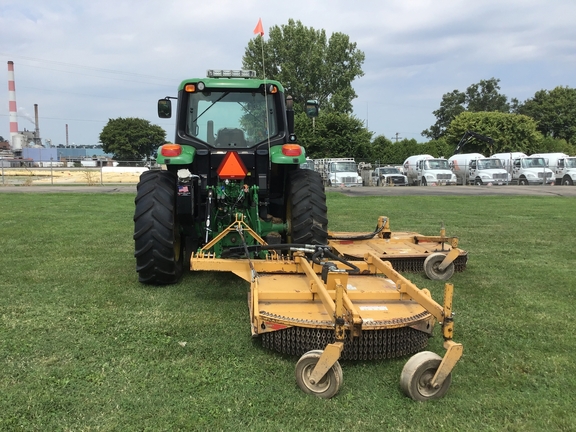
66,134
37,139
12,104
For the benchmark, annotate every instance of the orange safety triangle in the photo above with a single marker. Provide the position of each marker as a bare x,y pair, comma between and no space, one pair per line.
232,167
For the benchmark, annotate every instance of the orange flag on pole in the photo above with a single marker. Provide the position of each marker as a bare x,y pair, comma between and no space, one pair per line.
259,28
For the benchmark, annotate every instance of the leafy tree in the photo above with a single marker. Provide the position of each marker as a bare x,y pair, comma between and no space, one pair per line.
483,96
382,150
389,152
437,148
308,64
555,145
131,138
451,106
510,132
555,112
333,135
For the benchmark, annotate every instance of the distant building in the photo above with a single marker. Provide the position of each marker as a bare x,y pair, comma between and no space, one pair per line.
74,154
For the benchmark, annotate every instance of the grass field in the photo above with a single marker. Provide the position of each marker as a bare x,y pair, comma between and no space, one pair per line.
84,346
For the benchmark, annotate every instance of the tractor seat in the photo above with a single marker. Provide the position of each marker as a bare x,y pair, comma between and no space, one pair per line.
230,138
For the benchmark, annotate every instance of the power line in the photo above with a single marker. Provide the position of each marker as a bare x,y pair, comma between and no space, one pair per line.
84,67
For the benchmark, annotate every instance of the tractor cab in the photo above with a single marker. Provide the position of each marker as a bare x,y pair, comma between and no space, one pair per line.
232,126
229,110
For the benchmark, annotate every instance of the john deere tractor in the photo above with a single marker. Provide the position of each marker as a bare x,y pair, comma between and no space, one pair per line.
233,198
235,158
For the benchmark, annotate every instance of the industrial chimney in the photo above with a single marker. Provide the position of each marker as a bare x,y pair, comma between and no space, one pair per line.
15,141
37,139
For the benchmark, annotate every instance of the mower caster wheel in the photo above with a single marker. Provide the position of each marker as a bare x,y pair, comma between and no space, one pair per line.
328,385
431,267
417,375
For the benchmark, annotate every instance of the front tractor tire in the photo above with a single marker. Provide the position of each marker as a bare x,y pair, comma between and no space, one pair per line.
307,213
158,247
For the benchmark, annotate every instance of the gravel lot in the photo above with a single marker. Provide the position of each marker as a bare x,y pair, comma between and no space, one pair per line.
124,180
565,191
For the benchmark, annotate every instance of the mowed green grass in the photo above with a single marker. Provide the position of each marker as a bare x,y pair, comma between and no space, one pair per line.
84,346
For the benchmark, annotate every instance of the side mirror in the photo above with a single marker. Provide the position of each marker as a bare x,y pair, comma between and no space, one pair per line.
312,108
164,108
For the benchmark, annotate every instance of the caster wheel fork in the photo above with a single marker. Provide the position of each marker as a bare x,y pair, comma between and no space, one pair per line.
319,373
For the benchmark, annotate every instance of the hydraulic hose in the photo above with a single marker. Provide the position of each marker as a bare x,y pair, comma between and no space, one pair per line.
317,251
360,236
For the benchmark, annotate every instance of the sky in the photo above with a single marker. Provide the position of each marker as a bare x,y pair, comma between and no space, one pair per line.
85,62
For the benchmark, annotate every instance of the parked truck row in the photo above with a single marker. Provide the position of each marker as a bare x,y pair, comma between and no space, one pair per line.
460,169
498,169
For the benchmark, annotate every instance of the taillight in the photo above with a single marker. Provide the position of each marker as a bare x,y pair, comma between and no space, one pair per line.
171,150
291,150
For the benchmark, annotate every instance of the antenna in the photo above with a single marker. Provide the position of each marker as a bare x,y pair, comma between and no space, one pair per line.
260,30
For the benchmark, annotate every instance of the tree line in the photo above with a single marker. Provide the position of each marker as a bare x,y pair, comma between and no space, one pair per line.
312,65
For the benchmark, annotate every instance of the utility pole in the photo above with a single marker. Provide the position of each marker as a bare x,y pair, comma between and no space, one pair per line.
397,137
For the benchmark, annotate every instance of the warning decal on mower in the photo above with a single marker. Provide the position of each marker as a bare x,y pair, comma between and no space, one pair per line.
373,308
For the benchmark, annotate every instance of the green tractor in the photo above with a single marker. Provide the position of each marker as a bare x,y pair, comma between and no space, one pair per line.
233,191
235,158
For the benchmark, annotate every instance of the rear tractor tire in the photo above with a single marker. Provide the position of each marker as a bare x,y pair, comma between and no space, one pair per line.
157,242
330,383
307,213
431,269
417,375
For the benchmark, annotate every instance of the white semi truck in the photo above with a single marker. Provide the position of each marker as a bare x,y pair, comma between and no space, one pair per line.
475,168
427,170
563,166
526,170
338,172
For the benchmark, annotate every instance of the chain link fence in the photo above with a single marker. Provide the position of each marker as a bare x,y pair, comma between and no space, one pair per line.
126,172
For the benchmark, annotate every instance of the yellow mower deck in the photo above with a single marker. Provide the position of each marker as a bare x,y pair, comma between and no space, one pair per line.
406,251
323,313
